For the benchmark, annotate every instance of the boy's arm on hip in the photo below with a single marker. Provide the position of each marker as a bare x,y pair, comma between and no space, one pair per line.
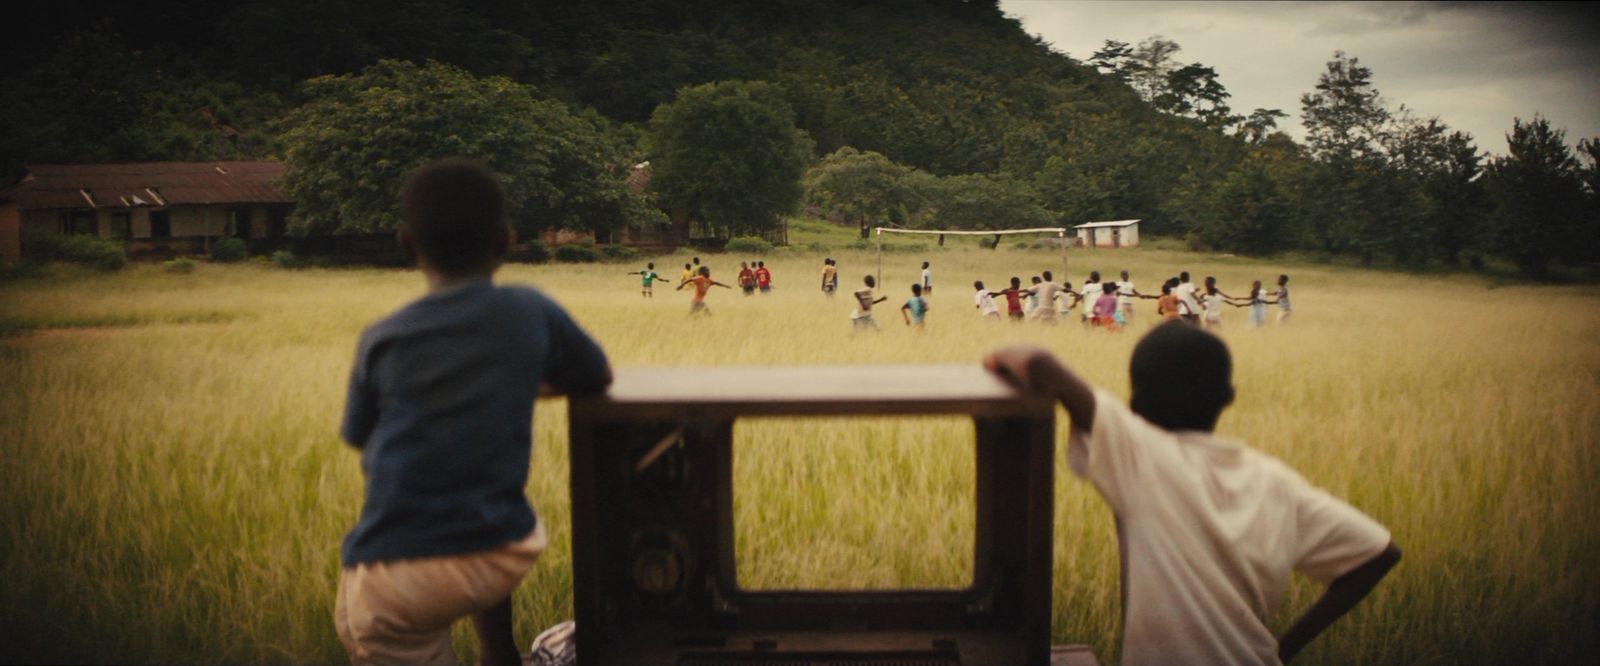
1341,596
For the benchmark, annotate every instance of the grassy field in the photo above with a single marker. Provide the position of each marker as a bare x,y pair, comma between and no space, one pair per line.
172,488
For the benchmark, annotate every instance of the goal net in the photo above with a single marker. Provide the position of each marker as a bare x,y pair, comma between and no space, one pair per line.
1063,237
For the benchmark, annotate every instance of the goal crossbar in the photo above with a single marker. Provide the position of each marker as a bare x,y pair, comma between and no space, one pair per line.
1060,232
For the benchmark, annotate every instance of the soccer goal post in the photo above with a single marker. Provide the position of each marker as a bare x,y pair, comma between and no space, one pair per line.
1061,234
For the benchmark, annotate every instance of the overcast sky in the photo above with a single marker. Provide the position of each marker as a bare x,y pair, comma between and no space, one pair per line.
1474,65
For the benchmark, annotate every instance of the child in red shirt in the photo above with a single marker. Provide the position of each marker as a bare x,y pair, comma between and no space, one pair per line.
763,277
1014,300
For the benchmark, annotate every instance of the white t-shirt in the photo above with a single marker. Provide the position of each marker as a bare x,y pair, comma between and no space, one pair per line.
1048,293
1125,294
927,279
985,303
1091,292
1185,293
1211,530
1213,305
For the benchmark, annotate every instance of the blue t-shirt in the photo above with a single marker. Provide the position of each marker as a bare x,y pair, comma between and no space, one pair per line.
441,407
918,308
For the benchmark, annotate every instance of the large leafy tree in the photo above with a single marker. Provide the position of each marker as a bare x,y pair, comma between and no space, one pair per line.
1588,235
1440,168
349,147
863,187
978,201
728,153
1345,119
1536,196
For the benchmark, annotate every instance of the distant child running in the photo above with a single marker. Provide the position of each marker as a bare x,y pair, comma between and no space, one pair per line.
1013,296
763,277
439,404
688,273
927,280
746,279
1125,295
1257,302
1282,294
861,319
1168,305
702,283
1069,300
1212,301
1033,298
647,277
1209,529
915,309
830,277
1092,290
1105,307
985,302
1188,303
1046,291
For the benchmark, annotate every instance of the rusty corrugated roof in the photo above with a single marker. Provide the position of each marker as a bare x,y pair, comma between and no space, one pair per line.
50,186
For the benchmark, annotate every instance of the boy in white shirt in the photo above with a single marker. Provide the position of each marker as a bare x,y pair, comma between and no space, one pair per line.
985,301
1188,304
1209,528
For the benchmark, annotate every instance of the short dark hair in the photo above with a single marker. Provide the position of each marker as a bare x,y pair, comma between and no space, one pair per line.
870,281
454,211
977,284
1184,276
1047,277
916,290
1182,377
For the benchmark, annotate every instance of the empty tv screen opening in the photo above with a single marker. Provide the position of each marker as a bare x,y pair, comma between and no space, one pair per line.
854,504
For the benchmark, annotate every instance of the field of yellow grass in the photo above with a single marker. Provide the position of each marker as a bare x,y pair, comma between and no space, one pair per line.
172,487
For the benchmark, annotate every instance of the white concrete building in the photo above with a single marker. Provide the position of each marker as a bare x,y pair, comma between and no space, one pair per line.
1120,233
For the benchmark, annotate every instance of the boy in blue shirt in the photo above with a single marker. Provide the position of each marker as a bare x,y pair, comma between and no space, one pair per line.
915,311
440,406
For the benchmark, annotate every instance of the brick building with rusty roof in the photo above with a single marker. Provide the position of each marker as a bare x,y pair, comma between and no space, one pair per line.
156,208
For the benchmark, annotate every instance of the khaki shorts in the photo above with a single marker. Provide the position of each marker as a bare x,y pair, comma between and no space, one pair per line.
400,611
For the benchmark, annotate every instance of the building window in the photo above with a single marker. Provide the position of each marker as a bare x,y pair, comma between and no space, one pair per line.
77,222
160,224
121,225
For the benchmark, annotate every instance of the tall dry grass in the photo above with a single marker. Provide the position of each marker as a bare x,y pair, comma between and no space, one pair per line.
172,488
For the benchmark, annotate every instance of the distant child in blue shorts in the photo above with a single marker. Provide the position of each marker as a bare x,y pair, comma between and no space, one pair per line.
440,406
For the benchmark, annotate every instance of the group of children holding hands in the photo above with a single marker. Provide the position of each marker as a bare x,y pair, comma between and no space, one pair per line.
440,407
1109,304
1106,305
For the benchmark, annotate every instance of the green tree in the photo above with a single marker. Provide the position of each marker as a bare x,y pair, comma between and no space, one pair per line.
1588,236
728,153
1440,167
1536,196
1260,124
979,201
348,148
1345,119
862,187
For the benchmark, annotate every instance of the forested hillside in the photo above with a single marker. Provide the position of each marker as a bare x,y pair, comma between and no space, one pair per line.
957,99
